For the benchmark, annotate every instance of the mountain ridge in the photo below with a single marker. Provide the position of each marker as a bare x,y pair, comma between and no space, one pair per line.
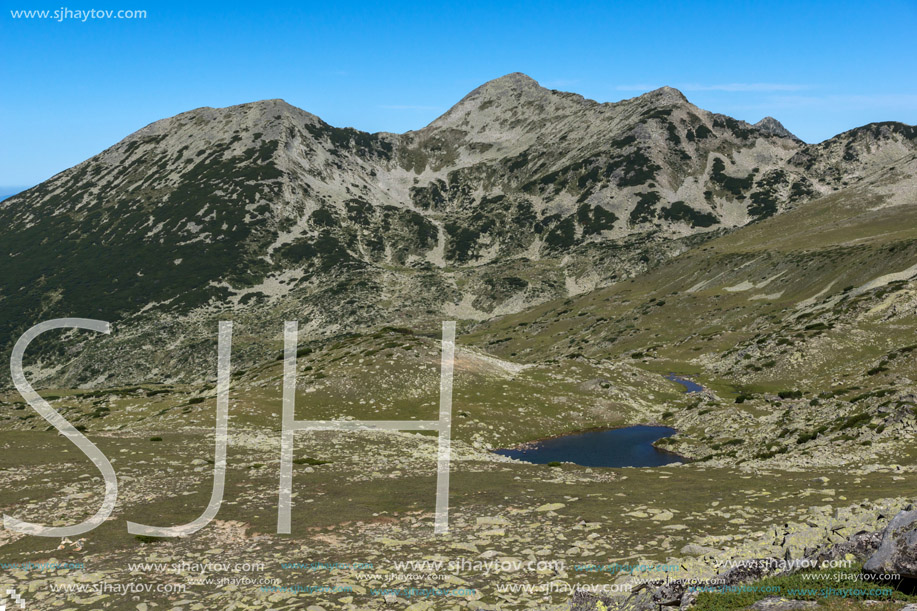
517,195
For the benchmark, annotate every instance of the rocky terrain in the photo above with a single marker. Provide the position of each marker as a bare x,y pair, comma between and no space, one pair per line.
861,546
362,518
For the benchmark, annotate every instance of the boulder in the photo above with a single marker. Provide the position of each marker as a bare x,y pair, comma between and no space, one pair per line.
751,570
898,551
695,549
596,384
860,546
677,592
670,594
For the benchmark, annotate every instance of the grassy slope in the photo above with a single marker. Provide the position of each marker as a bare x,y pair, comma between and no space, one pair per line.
806,303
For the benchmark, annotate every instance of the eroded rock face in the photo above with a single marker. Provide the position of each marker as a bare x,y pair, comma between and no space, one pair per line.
898,551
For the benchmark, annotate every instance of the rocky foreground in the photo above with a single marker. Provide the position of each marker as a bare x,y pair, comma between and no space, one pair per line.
522,536
852,537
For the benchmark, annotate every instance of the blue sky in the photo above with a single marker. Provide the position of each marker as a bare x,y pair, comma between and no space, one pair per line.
73,88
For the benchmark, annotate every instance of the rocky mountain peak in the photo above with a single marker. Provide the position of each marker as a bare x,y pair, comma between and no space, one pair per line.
256,116
515,82
665,96
770,125
499,95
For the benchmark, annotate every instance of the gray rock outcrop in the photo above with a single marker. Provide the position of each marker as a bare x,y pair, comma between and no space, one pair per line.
898,550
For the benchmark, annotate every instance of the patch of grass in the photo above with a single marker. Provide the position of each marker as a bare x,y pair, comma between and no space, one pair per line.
805,585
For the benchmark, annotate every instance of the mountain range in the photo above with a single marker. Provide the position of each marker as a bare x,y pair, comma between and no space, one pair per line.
516,197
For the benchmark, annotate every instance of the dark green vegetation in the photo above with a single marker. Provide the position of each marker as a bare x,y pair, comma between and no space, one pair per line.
680,211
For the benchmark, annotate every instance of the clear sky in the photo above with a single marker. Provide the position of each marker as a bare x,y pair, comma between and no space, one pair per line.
72,88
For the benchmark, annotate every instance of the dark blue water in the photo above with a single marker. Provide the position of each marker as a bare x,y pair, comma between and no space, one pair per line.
689,384
627,447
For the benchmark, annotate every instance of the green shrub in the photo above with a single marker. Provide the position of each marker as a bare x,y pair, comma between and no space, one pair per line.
309,461
853,421
818,326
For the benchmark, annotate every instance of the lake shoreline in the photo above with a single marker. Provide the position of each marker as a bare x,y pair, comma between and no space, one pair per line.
527,445
537,445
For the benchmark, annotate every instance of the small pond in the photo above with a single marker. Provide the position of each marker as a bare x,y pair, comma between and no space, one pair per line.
631,446
689,384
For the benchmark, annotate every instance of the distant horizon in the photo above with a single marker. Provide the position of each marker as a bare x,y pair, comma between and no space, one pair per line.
9,191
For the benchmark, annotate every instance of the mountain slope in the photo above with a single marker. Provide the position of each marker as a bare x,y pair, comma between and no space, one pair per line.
800,327
262,212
